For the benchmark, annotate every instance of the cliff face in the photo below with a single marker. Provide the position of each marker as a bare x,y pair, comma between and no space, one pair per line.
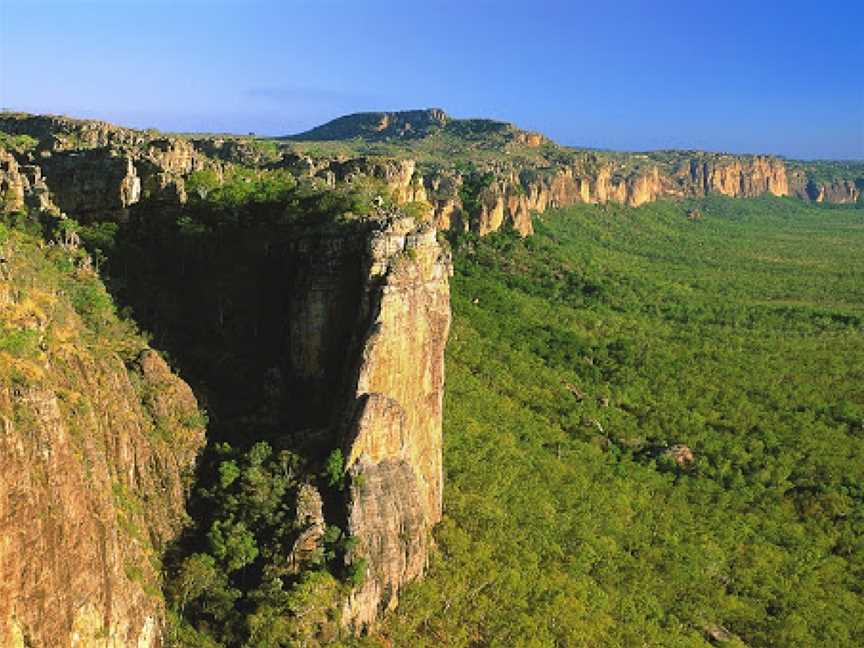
93,453
96,170
531,173
368,319
394,443
513,195
22,186
57,133
509,194
737,177
841,191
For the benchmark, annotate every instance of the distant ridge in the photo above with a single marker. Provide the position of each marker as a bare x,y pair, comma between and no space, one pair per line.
403,124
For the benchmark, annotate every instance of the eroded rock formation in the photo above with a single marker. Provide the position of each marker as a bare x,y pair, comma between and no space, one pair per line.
95,457
96,170
394,444
368,319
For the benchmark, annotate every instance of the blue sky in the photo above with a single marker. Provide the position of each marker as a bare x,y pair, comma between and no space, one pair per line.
760,76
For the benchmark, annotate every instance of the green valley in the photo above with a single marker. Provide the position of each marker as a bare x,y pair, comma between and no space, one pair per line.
654,432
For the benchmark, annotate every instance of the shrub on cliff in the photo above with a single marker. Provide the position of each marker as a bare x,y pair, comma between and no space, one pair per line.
18,143
234,581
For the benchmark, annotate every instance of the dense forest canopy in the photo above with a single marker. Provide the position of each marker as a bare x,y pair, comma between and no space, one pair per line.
654,432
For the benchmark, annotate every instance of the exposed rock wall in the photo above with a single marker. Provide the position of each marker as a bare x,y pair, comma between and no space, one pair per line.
367,320
58,133
96,170
514,195
92,182
93,454
22,186
394,444
830,191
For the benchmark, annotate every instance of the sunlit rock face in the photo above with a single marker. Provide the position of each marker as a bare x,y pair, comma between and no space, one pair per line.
367,320
90,493
394,447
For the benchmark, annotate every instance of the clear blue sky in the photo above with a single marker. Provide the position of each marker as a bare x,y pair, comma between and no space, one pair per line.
758,76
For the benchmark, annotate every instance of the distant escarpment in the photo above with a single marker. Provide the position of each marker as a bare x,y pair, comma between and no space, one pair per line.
473,174
379,125
480,174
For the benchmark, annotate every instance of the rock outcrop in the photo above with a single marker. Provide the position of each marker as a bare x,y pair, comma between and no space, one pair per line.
367,321
22,186
394,444
506,195
95,457
532,174
836,190
97,170
513,195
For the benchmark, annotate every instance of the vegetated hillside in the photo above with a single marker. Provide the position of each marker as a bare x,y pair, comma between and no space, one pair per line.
98,440
654,433
430,136
406,124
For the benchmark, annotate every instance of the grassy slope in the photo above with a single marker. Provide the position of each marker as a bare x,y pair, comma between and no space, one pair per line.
739,335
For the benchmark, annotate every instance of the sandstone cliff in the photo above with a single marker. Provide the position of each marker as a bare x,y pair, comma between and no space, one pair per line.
394,444
483,200
367,320
96,171
529,173
97,440
364,321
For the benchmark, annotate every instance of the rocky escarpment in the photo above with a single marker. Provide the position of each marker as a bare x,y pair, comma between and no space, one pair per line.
356,321
97,171
394,442
484,200
366,322
97,441
471,188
